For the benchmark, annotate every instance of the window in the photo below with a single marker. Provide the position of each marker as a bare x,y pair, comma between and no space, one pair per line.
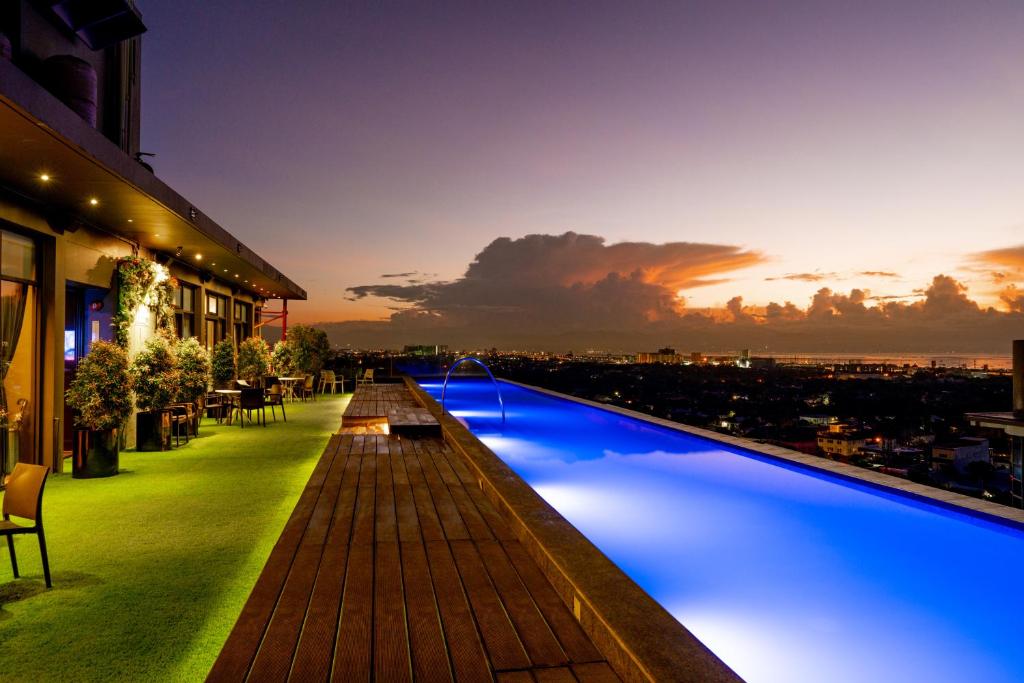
185,311
243,321
216,321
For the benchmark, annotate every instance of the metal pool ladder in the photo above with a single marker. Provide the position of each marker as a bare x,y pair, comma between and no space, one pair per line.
471,359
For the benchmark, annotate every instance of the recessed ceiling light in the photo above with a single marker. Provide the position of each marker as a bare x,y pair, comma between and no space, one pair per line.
45,177
225,270
199,257
156,235
236,275
132,220
94,201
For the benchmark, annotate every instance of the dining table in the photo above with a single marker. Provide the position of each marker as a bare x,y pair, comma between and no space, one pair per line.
231,396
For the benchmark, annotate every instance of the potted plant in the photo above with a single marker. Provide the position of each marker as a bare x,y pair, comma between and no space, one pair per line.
223,364
156,380
193,374
253,360
101,393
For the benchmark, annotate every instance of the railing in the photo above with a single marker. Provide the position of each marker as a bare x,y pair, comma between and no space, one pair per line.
471,359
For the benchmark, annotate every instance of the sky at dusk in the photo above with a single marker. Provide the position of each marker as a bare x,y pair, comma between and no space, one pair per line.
564,170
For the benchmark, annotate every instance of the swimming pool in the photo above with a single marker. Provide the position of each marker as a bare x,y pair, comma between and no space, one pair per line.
786,574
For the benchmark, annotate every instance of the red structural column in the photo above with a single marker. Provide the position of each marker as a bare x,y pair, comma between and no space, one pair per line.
284,319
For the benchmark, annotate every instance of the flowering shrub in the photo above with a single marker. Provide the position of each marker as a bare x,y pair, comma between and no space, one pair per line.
137,284
253,359
155,374
282,359
310,348
223,362
193,369
101,390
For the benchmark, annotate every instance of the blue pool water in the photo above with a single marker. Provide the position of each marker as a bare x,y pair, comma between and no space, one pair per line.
785,574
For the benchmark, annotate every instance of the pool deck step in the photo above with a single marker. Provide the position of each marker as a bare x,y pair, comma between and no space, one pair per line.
395,567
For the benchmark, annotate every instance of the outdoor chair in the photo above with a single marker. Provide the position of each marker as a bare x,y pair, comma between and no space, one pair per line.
24,499
274,397
251,400
329,379
306,389
180,420
367,377
214,406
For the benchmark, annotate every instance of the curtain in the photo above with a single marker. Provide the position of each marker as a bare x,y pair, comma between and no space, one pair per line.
12,315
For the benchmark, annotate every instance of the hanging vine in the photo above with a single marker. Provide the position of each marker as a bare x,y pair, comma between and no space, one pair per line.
138,284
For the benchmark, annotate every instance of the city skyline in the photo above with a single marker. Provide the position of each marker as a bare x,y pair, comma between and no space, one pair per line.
866,150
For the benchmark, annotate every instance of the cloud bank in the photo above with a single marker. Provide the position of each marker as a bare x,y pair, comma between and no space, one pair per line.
574,291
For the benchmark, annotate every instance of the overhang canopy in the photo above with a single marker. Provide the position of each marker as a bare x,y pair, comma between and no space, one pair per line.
91,181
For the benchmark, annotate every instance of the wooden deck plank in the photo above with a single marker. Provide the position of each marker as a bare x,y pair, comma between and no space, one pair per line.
392,661
560,674
597,672
274,658
540,643
447,511
474,523
468,658
316,644
430,523
515,677
385,521
570,634
353,660
242,643
499,635
426,636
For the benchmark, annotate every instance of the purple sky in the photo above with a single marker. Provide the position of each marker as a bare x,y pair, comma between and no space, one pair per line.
347,140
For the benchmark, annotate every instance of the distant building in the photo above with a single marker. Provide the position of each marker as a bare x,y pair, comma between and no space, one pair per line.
820,420
666,355
696,357
424,350
1012,424
841,441
959,453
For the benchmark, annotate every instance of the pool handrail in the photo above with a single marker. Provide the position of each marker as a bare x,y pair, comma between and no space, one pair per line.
472,359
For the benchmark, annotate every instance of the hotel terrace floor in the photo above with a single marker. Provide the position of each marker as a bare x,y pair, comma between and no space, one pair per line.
395,567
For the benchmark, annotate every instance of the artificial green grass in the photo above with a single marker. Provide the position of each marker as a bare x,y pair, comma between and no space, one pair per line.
151,567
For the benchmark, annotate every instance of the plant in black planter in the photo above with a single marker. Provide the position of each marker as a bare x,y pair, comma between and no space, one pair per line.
223,363
253,360
193,373
101,393
310,348
156,379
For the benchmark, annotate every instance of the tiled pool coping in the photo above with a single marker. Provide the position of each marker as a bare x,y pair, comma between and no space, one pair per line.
640,639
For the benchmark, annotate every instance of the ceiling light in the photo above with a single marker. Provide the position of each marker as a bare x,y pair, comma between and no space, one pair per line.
199,257
225,270
132,220
45,177
156,235
236,274
94,201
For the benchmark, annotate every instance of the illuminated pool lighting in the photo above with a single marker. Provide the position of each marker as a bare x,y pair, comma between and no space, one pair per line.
786,574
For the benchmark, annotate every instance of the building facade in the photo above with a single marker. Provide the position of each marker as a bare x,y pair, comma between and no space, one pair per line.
75,199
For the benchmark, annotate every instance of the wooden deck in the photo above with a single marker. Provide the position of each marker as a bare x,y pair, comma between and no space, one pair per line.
394,567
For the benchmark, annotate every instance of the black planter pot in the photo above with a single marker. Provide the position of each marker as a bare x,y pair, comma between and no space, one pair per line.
153,431
95,454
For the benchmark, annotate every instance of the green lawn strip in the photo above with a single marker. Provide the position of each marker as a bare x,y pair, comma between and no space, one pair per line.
151,567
